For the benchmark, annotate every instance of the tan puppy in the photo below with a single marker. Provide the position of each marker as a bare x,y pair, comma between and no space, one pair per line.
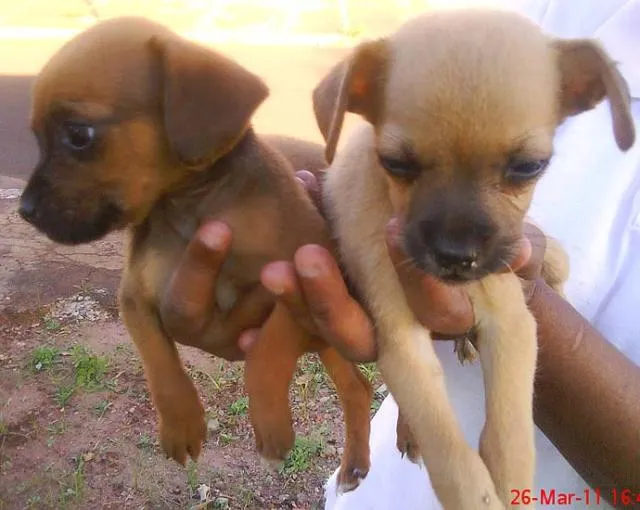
461,109
143,130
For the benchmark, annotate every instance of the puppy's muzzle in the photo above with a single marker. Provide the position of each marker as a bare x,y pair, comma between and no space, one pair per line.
69,221
455,258
460,251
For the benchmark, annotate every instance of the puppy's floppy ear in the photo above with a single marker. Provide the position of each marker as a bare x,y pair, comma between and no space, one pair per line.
208,99
354,85
587,74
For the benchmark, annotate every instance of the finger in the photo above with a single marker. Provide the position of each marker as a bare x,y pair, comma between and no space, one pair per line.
438,306
339,318
281,280
191,290
248,339
522,257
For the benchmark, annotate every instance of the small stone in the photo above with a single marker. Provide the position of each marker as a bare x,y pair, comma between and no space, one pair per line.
213,425
329,451
221,502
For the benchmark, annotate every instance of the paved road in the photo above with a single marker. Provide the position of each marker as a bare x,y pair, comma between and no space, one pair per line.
290,72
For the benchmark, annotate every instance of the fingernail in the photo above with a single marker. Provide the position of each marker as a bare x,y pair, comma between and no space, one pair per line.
272,279
248,339
310,266
213,236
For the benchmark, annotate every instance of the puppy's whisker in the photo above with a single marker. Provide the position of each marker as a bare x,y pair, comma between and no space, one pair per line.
507,265
407,263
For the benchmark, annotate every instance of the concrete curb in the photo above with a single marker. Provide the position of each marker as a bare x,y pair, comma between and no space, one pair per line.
244,37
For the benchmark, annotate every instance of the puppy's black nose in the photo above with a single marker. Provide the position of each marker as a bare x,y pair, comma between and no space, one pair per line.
455,257
27,209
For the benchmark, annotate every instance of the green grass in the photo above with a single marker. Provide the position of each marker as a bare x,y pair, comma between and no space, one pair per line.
145,442
72,485
63,394
51,324
226,439
89,369
44,357
304,450
369,370
192,476
101,408
239,407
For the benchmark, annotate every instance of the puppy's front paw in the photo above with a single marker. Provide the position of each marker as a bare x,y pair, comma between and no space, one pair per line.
351,474
182,427
274,438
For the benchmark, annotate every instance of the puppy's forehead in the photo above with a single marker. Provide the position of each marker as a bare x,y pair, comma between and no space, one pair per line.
106,65
473,77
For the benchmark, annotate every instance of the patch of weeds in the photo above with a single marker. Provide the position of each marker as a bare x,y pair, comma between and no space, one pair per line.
304,450
217,381
52,324
55,428
225,439
72,485
63,394
44,357
89,369
145,442
34,501
101,408
239,407
220,503
192,476
4,428
369,370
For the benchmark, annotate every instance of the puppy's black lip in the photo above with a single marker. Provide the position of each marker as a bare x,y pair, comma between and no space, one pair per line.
70,233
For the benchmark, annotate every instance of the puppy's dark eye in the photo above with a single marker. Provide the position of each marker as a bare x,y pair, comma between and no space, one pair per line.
78,137
399,168
520,171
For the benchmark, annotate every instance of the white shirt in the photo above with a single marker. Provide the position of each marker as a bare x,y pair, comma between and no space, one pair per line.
589,199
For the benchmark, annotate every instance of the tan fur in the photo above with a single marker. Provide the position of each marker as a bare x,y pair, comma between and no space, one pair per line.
457,98
175,146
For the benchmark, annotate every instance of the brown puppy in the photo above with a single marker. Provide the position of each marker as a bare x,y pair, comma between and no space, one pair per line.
143,130
461,109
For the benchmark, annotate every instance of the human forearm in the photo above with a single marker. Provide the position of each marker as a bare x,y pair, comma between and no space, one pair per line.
587,397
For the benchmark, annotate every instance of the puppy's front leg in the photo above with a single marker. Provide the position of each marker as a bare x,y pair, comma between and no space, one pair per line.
507,344
181,416
410,367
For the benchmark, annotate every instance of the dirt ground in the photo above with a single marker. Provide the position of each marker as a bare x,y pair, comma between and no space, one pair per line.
77,429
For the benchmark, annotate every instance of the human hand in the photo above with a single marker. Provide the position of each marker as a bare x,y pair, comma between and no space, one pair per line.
314,290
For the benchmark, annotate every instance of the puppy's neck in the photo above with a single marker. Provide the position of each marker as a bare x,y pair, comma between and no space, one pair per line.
246,171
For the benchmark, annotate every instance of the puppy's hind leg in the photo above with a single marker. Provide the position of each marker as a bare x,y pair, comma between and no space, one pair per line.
405,441
507,344
269,369
355,395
